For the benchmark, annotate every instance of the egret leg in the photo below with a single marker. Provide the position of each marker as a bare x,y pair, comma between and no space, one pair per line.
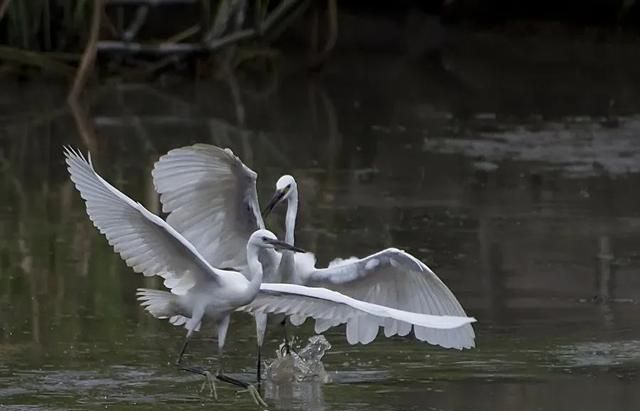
208,382
182,351
287,346
261,329
192,324
259,365
251,389
223,325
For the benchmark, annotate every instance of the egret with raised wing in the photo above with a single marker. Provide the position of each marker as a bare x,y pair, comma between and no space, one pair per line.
211,199
197,289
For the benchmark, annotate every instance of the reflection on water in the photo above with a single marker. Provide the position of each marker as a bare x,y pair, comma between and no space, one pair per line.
530,214
600,354
576,147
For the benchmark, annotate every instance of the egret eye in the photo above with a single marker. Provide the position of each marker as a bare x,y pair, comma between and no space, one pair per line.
265,239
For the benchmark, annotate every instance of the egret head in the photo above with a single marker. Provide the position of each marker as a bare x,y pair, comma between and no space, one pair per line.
266,239
285,187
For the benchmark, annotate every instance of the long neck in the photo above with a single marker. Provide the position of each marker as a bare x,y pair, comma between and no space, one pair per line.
290,219
255,268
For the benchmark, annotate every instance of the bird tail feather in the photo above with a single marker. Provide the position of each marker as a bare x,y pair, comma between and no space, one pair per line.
160,304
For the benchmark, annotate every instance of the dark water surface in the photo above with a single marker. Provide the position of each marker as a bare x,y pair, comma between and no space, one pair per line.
525,200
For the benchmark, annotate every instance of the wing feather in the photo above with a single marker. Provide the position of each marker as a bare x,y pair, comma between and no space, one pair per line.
395,279
212,200
144,241
335,308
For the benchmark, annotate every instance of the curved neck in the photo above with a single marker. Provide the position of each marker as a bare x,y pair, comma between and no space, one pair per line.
290,219
255,268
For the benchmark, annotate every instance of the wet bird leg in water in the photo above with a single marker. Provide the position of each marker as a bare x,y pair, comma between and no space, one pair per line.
287,350
259,365
210,381
287,347
255,395
222,333
196,370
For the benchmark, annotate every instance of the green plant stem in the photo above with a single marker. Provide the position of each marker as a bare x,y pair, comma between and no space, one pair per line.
34,59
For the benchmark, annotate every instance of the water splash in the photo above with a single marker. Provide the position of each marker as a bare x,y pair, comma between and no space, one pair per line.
303,365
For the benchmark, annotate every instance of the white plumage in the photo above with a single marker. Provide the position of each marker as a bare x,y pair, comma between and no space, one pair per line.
324,304
210,193
220,225
197,289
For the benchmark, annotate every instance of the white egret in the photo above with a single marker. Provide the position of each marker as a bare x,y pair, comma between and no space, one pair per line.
197,289
212,200
390,277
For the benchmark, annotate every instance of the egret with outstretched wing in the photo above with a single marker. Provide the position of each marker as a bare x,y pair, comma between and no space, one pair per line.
209,192
197,289
211,199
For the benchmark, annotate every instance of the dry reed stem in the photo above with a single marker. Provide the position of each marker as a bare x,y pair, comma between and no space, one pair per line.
89,56
4,6
332,36
209,46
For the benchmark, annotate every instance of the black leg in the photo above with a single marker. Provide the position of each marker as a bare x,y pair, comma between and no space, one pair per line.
257,398
196,370
287,347
230,380
220,375
182,351
259,365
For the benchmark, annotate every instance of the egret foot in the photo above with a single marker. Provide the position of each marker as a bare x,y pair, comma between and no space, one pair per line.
286,348
208,379
255,395
257,398
210,383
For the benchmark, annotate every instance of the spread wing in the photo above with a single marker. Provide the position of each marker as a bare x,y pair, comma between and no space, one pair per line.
395,279
144,241
335,308
212,200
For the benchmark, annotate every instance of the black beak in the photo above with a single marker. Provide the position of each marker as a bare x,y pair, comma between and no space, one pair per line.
277,197
281,245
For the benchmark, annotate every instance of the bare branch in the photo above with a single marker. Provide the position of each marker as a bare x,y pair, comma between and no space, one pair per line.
214,44
136,24
89,55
